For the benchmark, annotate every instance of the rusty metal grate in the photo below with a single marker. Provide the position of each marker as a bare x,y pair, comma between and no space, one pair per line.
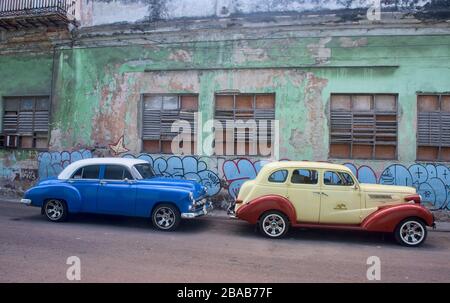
363,126
433,127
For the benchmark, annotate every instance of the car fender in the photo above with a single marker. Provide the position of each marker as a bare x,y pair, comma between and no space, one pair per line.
385,219
252,211
149,196
62,191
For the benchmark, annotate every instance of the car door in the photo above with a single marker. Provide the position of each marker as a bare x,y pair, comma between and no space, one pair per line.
304,193
340,198
86,181
117,191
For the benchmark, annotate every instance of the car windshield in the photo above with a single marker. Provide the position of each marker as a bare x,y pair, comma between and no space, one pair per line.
145,170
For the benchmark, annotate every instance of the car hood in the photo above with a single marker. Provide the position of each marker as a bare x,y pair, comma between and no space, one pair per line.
387,188
190,185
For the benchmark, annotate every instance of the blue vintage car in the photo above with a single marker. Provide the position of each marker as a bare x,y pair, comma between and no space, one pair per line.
118,186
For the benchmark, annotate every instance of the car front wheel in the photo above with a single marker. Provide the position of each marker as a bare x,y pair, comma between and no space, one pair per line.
166,217
55,210
411,232
273,224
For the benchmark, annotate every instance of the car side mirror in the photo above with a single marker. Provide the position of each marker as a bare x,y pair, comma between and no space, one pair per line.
128,180
355,186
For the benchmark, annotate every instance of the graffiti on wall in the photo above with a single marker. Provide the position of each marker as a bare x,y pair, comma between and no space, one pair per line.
52,163
184,167
236,172
432,181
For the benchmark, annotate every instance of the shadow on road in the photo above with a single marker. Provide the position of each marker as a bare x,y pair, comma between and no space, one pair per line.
229,228
186,226
322,236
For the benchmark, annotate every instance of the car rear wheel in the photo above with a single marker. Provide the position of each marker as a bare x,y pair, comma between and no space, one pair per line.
55,210
273,224
166,217
411,232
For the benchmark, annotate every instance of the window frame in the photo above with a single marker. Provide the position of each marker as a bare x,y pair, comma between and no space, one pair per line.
17,135
338,172
234,95
439,146
82,168
125,168
307,184
375,112
276,171
141,119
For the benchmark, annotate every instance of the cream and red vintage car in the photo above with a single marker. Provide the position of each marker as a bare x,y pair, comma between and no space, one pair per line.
325,195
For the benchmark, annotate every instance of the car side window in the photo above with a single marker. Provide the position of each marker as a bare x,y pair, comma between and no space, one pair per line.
304,176
78,174
337,178
87,172
278,176
116,172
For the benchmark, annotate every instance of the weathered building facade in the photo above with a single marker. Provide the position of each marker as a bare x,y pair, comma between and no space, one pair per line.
372,93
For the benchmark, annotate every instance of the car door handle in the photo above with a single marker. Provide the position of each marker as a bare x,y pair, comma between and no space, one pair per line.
320,193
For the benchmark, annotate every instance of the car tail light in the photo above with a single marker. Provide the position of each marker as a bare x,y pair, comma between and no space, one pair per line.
239,201
416,198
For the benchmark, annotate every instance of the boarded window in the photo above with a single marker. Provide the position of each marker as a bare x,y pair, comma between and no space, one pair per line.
25,122
159,113
257,114
363,126
433,127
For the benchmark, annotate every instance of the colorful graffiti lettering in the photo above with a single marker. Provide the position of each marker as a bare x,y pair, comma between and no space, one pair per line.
431,181
52,163
237,171
187,167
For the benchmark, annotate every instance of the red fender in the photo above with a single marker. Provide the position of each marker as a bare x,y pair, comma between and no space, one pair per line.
385,219
254,209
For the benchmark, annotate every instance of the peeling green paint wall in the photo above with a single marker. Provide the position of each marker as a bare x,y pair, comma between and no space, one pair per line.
89,81
97,91
21,75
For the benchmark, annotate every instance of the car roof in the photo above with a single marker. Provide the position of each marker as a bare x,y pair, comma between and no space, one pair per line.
69,170
306,164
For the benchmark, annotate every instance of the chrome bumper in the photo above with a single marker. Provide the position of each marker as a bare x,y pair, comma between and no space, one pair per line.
25,201
201,212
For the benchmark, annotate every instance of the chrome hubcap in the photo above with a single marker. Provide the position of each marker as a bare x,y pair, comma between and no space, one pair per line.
54,209
274,225
412,232
164,217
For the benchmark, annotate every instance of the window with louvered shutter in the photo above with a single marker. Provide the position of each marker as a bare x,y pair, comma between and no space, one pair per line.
25,122
433,127
257,108
159,113
363,126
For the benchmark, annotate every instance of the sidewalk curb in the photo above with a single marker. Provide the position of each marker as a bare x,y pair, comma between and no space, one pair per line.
441,226
10,200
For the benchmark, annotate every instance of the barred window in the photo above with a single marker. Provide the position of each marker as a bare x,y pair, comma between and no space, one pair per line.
433,127
159,113
241,140
363,126
25,122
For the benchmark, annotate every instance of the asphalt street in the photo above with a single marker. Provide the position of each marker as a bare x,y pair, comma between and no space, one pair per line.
209,249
